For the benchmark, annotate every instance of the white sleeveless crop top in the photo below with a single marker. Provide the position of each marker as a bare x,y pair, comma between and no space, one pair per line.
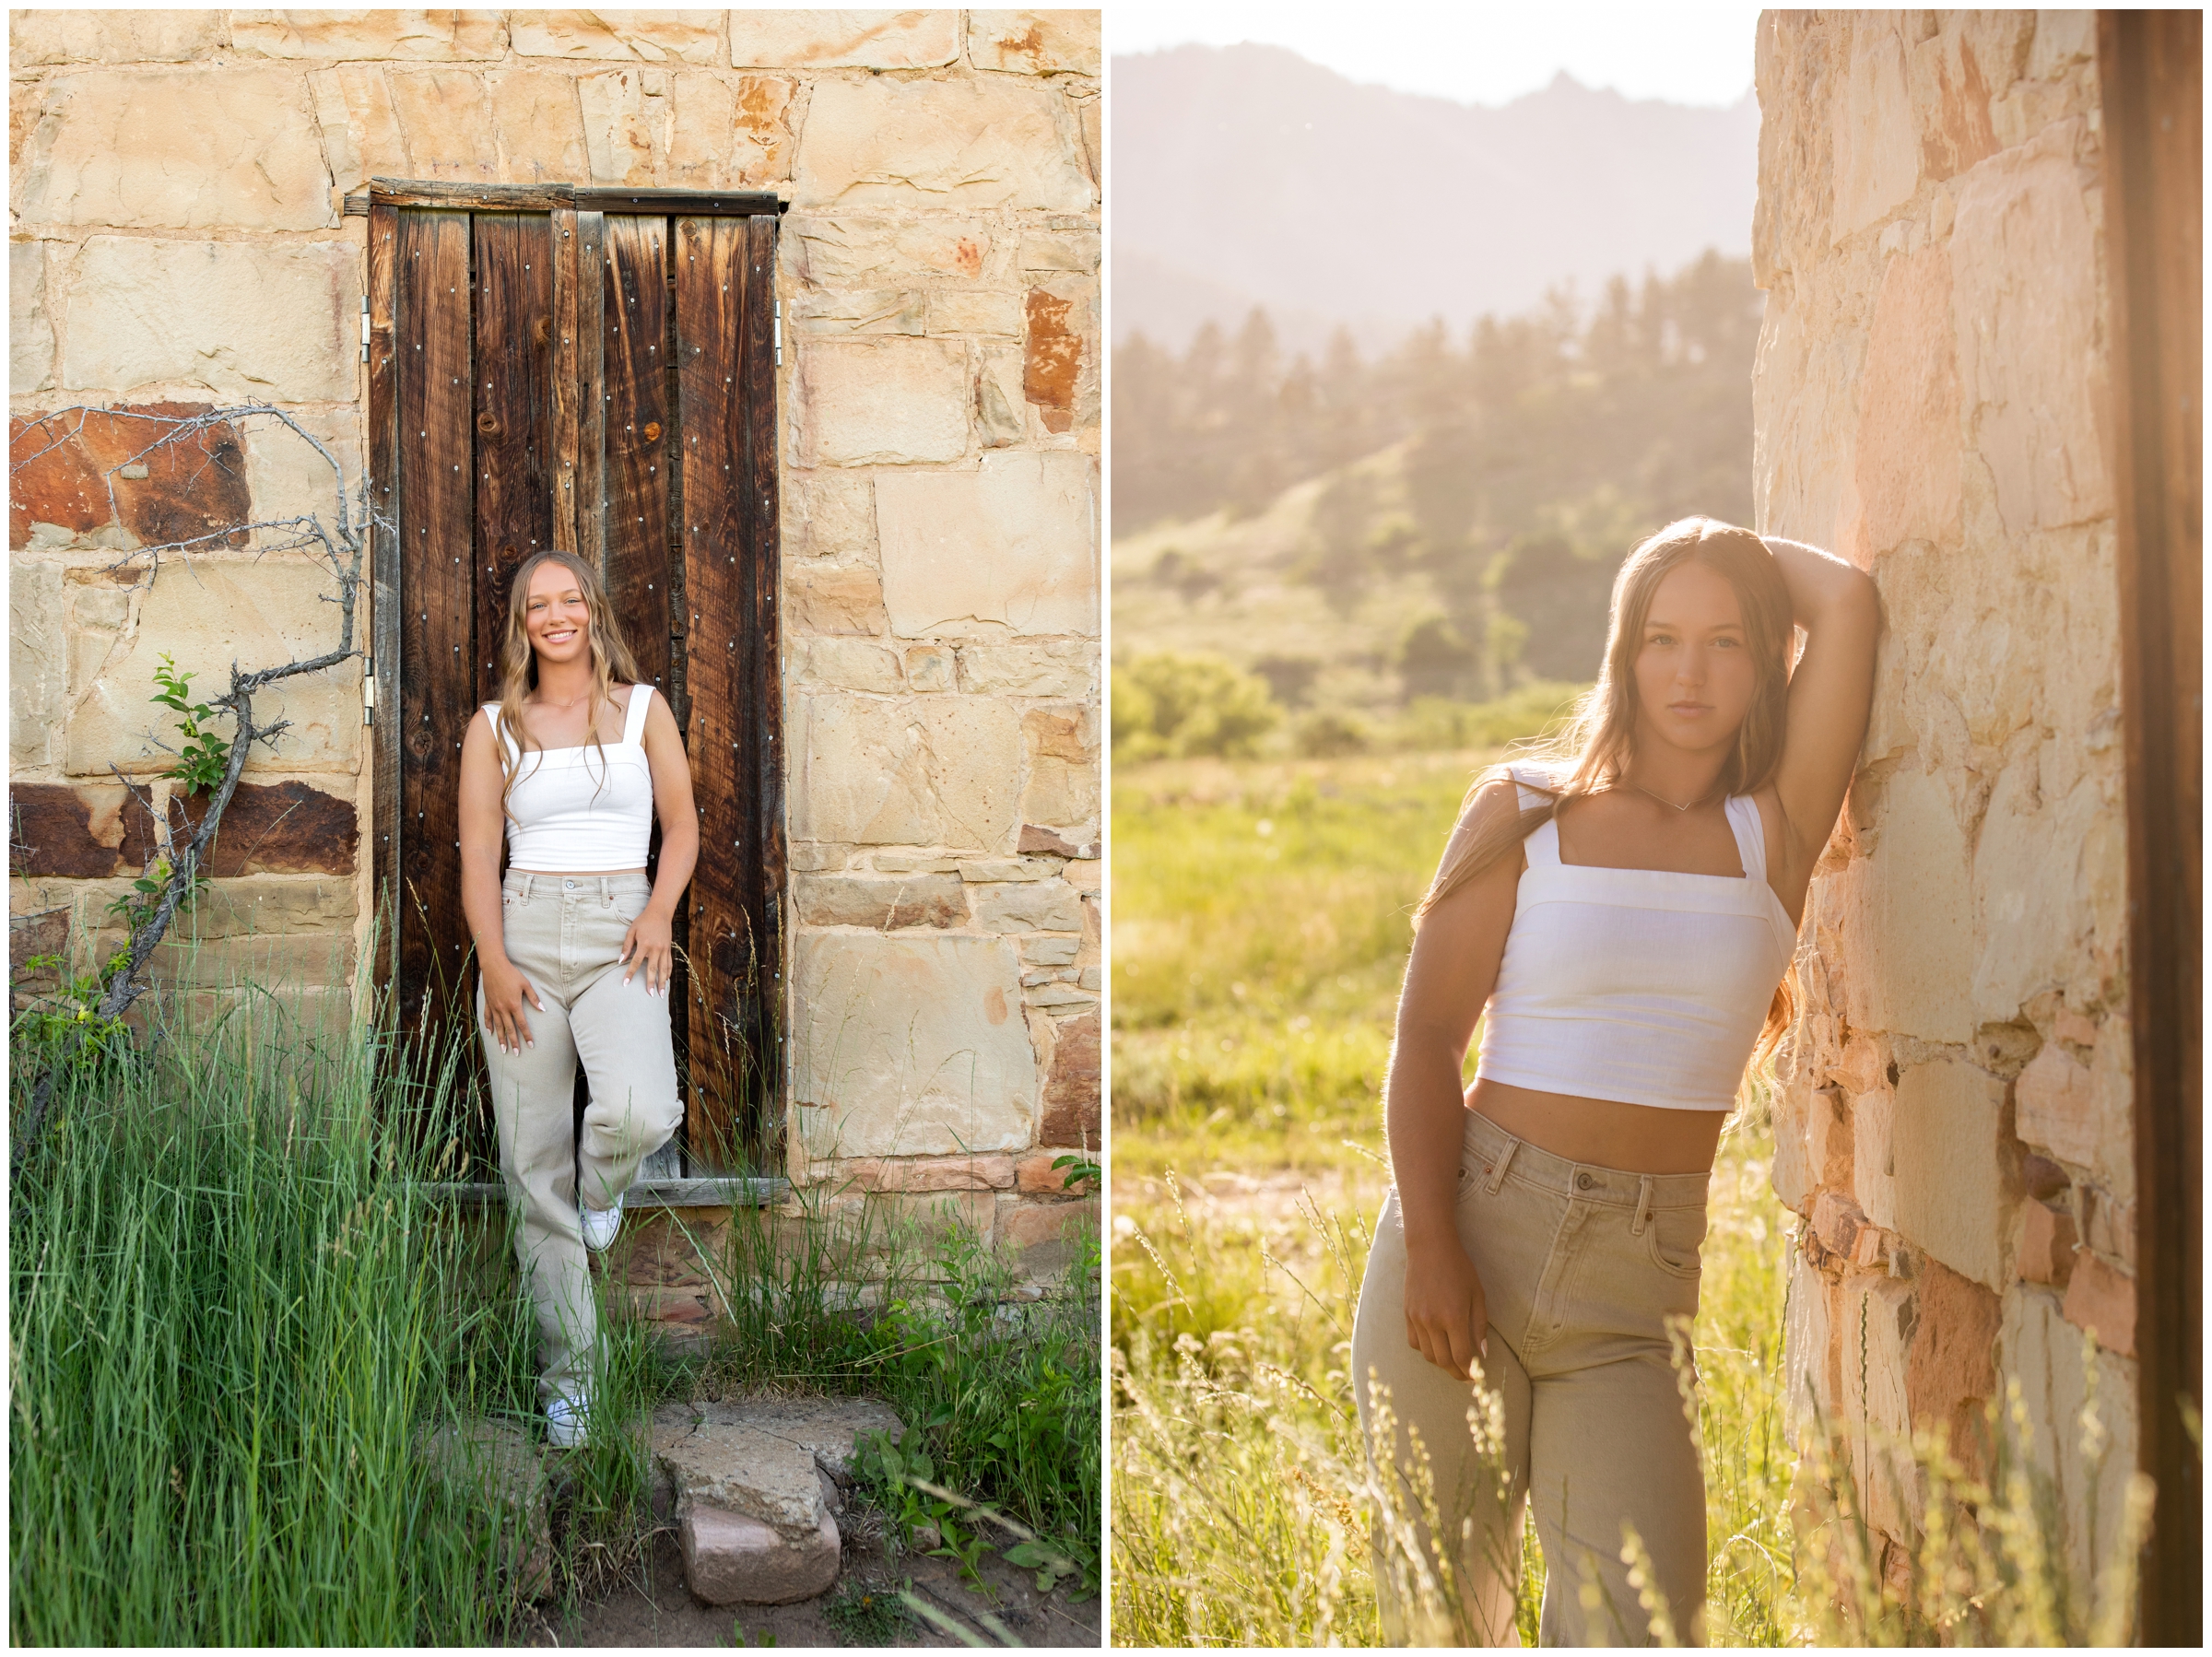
1641,985
582,809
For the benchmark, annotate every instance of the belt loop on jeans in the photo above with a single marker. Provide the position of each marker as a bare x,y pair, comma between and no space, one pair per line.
606,891
528,880
1643,1203
1505,1159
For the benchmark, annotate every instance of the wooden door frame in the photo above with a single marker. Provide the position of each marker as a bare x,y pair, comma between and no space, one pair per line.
745,421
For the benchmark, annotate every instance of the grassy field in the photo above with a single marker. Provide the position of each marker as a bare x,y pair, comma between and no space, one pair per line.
1261,922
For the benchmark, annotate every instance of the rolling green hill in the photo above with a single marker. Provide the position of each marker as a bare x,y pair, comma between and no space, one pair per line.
1443,523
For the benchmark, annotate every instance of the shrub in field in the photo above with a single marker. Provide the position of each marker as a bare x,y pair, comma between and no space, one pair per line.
1329,734
1166,704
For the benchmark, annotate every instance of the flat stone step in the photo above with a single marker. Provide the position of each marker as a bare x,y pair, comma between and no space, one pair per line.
756,1487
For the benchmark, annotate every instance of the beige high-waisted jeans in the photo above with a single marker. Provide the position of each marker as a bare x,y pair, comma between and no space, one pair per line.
564,931
1581,1269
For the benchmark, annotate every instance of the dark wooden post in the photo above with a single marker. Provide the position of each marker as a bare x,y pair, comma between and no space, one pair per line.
2151,64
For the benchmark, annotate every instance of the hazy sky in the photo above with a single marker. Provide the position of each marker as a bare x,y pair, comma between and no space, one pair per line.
1479,53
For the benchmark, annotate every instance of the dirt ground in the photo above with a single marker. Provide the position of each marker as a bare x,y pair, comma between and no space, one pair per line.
658,1610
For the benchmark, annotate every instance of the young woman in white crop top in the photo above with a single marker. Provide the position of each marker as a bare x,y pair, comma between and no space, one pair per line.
1625,912
570,769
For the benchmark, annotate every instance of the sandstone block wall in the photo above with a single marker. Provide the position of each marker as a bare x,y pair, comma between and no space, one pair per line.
177,238
1930,402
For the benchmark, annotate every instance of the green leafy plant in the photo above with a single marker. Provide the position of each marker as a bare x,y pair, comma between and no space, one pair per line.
1082,1168
869,1616
135,907
900,1478
204,756
52,1017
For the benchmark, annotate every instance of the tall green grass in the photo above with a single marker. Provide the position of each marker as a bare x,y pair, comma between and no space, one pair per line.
237,1313
232,1313
997,1382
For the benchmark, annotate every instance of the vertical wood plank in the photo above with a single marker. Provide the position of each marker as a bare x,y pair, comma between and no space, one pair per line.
591,399
384,592
515,419
568,379
639,436
435,624
2150,65
710,267
763,673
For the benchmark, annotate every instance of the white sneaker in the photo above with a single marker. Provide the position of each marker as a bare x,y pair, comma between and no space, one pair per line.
568,1422
600,1224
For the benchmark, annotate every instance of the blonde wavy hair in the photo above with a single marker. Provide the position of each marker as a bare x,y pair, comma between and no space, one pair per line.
611,662
1591,751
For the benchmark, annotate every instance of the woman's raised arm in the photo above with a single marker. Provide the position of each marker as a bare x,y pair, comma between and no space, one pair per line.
1830,693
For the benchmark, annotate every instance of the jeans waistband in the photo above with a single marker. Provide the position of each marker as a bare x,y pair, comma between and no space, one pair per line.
1487,1144
525,881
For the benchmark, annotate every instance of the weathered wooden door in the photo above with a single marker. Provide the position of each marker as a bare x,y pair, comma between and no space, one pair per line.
592,370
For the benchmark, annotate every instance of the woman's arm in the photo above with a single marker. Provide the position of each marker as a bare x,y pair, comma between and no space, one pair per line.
1830,693
648,943
1448,982
483,827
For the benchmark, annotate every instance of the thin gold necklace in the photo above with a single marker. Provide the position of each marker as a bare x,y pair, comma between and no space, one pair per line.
1664,801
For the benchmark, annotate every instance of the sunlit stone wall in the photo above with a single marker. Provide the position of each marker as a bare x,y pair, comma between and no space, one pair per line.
1931,403
176,237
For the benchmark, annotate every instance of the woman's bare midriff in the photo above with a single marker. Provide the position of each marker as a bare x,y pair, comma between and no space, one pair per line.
1603,1133
577,873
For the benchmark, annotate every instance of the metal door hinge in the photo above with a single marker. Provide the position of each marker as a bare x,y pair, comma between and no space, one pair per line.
779,333
364,327
368,690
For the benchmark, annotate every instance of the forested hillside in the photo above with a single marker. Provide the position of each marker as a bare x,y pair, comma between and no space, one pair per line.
1443,521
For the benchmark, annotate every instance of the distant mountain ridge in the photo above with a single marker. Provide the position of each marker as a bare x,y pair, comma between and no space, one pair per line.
1245,175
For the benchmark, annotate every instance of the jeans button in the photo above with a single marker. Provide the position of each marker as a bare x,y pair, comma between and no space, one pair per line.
1582,1181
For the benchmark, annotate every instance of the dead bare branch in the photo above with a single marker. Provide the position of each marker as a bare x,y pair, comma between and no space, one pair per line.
342,546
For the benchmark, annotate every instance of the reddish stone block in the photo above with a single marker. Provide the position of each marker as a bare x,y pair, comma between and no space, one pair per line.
2102,1298
1052,359
1071,1090
66,465
927,1173
2047,1243
730,1558
80,831
1036,841
1951,1368
278,829
1034,1223
1035,1174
